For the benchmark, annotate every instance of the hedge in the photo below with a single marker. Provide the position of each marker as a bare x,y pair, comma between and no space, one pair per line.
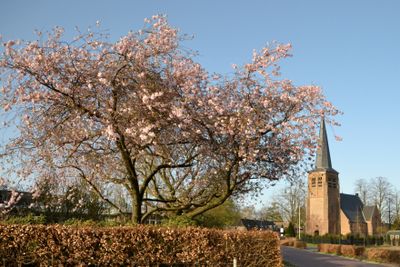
345,250
288,242
329,248
383,255
352,251
343,240
300,244
292,242
387,255
57,245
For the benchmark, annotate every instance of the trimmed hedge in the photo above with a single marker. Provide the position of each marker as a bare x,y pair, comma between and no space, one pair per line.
292,242
345,250
343,240
352,251
383,255
288,242
387,255
300,244
135,246
329,248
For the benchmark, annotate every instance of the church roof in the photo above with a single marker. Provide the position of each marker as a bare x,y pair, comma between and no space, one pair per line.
323,160
368,212
352,207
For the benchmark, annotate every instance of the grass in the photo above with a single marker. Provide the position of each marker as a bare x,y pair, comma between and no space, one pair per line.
288,264
312,245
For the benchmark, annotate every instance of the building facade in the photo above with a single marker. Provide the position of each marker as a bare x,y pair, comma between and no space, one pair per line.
329,211
323,201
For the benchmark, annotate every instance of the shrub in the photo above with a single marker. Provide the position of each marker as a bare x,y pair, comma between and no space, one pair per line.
79,222
28,219
383,255
179,221
347,239
322,247
329,248
225,215
57,245
359,251
110,223
290,230
288,242
300,244
292,242
345,250
334,249
352,251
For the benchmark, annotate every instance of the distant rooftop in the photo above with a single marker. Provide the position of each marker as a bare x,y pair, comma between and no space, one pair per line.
258,224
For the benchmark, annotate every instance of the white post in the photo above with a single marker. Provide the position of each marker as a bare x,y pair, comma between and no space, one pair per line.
234,262
299,221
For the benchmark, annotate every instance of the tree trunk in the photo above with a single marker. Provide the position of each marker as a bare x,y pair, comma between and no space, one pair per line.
136,217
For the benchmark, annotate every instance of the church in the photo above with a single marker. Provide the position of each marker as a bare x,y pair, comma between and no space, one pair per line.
328,210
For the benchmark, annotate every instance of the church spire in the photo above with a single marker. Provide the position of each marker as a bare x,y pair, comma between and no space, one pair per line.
323,161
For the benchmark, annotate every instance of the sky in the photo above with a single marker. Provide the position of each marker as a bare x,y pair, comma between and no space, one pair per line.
349,48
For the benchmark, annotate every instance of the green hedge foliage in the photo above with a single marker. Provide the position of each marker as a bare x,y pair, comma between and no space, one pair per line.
344,240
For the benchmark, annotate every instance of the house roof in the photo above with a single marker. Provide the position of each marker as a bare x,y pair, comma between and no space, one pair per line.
257,224
352,207
368,212
25,197
323,159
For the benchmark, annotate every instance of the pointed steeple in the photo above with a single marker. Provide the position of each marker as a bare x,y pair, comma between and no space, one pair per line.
323,160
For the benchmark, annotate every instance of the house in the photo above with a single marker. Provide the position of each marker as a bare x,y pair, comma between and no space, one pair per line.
15,201
248,224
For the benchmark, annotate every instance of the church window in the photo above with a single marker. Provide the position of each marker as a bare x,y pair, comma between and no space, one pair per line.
313,182
332,182
319,181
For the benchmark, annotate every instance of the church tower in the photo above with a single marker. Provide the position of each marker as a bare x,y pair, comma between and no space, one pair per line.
323,207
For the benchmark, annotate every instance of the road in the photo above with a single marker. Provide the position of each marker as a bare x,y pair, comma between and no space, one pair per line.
305,258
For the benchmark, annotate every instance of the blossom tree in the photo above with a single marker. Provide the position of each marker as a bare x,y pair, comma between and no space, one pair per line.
142,114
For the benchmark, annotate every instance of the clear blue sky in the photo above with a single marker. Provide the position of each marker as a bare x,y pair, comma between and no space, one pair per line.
349,48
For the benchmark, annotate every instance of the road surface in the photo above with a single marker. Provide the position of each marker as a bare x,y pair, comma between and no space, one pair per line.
305,258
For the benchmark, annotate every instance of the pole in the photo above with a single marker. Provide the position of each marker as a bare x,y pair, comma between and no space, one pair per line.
299,220
390,221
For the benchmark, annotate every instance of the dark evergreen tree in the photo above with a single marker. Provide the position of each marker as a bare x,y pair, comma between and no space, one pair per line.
290,230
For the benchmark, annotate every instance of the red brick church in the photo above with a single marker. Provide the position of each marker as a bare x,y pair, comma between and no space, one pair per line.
328,210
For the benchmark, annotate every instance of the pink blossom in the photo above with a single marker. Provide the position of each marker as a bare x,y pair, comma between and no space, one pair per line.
110,133
112,113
